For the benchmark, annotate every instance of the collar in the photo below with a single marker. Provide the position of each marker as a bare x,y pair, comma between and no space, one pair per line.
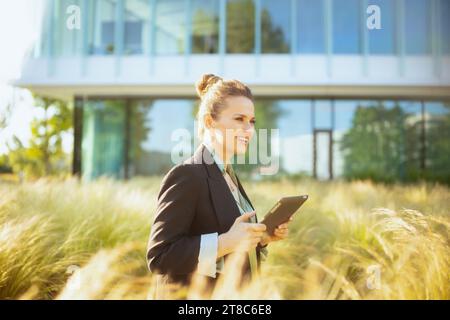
207,143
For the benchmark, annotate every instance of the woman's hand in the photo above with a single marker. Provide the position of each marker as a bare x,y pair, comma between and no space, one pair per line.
281,232
242,236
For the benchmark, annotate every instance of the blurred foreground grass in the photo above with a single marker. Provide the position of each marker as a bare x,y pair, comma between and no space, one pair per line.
352,240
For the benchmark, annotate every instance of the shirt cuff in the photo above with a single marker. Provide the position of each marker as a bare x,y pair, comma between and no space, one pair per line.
208,254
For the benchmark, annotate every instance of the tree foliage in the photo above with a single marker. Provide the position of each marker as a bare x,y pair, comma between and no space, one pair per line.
44,154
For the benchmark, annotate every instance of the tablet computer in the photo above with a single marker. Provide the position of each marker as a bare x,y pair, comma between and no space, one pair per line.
282,211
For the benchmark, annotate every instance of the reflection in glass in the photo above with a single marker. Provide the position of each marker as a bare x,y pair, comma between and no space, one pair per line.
170,27
412,150
136,16
103,138
67,42
311,33
418,27
347,26
153,123
240,26
323,114
445,26
295,128
437,123
378,140
275,26
323,154
205,26
101,26
382,41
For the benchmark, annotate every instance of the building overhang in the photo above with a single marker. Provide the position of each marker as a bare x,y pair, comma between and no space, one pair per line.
268,75
66,92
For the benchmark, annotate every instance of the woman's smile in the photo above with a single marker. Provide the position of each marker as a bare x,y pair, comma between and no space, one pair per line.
243,140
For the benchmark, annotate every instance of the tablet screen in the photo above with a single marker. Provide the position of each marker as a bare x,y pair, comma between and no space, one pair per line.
282,211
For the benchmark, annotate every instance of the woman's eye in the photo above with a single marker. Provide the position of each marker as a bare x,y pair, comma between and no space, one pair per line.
238,119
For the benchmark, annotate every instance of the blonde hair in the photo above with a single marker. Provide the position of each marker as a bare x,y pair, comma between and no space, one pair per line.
213,90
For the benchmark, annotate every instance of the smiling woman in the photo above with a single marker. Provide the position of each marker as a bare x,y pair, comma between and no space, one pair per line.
205,227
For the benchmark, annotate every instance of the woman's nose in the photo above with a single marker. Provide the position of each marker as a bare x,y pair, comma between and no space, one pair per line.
248,126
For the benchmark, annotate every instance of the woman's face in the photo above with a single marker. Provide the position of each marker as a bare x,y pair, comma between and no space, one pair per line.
235,125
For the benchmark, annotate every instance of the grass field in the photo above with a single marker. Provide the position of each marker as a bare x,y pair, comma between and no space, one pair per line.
352,240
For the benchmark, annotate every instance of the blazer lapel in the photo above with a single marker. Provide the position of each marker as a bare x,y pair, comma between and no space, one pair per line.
223,201
245,195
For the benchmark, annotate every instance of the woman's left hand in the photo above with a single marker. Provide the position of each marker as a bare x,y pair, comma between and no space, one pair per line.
281,232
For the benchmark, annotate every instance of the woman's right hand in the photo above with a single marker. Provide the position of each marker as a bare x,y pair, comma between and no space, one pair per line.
242,236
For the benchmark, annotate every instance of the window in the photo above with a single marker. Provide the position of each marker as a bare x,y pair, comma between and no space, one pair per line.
170,27
310,30
101,33
347,26
136,26
378,140
322,114
240,26
205,26
382,41
445,26
437,123
159,128
418,27
103,138
296,139
275,26
67,42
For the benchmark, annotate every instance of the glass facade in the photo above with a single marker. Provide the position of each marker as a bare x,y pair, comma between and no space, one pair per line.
136,27
68,41
240,24
383,40
170,26
103,143
347,26
444,27
385,140
175,27
311,26
275,26
417,27
102,27
158,128
205,26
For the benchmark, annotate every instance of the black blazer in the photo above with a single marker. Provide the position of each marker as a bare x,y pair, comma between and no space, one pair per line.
194,199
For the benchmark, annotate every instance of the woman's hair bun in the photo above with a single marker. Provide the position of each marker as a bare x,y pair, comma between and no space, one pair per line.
205,82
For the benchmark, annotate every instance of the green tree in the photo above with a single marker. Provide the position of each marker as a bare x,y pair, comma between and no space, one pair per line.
44,154
438,146
382,144
241,29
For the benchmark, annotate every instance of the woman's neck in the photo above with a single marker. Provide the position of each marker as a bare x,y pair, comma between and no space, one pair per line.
218,147
222,153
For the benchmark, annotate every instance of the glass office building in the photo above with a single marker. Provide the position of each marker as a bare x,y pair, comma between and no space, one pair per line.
350,98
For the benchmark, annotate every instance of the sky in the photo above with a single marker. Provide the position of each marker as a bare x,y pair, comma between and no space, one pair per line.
19,27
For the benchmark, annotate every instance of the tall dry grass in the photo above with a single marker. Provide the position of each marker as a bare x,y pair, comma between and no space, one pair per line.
351,240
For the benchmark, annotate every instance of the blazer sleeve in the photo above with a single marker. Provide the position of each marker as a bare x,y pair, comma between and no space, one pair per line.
171,250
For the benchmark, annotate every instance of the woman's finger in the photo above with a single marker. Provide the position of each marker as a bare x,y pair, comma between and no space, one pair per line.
281,233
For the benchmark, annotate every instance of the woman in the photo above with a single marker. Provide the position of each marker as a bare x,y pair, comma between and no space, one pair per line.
204,216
